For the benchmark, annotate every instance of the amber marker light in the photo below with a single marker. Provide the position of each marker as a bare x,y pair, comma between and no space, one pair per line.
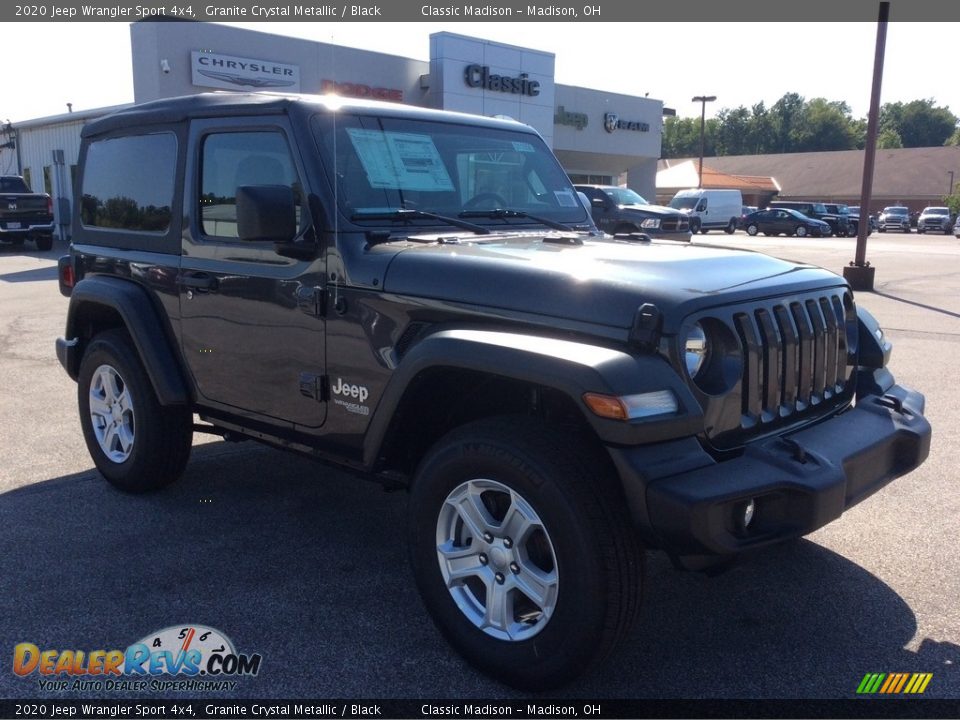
631,407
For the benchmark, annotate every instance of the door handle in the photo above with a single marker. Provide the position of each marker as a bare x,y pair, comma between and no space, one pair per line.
197,281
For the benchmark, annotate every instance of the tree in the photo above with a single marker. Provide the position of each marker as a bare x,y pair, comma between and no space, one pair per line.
681,137
889,138
786,114
823,125
953,139
919,123
733,131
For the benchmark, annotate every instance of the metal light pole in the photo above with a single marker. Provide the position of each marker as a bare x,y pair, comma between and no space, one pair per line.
860,273
950,189
703,100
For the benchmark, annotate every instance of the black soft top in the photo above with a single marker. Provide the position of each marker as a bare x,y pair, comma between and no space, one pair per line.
220,104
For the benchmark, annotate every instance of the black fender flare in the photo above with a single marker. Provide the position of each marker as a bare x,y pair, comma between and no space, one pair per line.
145,325
569,366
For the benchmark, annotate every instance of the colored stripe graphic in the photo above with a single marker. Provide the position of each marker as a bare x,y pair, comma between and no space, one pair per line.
894,683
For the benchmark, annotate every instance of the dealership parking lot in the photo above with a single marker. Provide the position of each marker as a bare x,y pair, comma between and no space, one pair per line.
307,566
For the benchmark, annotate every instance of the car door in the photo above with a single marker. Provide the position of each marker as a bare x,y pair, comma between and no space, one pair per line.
765,221
252,329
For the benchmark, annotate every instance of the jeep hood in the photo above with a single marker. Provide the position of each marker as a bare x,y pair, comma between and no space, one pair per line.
602,282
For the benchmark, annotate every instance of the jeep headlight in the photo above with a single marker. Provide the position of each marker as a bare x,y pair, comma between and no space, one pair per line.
873,346
650,224
695,349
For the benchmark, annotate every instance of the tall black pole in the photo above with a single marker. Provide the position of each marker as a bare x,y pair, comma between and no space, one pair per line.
703,122
859,273
703,100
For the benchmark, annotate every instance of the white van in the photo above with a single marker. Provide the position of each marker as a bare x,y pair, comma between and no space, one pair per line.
710,209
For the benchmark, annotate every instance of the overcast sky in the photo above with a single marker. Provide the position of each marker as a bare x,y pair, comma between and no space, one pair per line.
88,64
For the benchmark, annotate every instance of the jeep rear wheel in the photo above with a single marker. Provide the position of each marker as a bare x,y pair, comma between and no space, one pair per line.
523,552
136,444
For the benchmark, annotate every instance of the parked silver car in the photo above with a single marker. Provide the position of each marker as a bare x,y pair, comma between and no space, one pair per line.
895,218
935,219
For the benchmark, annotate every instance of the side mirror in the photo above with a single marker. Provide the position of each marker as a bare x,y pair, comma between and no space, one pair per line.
266,213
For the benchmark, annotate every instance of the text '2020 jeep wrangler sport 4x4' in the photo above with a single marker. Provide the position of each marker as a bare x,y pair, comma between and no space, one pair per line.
420,296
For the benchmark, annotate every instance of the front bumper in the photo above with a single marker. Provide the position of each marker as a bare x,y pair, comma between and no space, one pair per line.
683,235
799,482
903,226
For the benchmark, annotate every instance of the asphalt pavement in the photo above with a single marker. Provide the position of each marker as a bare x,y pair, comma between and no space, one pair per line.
307,566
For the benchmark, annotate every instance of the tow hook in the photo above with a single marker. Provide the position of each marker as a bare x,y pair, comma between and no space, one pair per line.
894,403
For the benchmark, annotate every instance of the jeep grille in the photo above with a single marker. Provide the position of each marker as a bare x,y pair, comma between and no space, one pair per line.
797,365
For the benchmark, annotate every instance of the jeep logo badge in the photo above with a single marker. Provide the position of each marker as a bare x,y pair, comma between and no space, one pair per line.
610,122
358,392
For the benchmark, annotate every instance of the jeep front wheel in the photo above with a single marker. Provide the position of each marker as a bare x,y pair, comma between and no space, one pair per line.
523,552
136,443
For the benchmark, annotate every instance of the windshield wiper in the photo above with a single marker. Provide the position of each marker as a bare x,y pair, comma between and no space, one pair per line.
410,213
504,213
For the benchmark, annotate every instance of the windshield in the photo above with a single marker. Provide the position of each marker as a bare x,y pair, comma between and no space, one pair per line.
625,196
895,211
388,164
684,203
937,211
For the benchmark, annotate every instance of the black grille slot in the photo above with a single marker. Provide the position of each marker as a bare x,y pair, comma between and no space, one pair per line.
795,357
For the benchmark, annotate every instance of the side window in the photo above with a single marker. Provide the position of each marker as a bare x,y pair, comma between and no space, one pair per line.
128,183
702,205
233,159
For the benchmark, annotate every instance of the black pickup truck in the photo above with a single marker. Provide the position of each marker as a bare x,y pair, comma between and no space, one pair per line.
24,214
622,211
421,297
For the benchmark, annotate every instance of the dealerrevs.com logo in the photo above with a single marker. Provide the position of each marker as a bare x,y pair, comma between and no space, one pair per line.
203,654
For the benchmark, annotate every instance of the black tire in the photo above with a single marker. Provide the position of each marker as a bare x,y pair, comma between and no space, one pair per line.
44,242
161,436
731,227
753,229
800,231
920,232
704,231
598,560
695,226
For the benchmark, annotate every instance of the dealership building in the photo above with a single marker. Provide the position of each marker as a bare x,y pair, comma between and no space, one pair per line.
599,137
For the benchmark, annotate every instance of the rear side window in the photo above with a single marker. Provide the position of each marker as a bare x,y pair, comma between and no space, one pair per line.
128,183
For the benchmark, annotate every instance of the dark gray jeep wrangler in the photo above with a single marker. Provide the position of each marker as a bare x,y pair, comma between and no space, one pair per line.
421,297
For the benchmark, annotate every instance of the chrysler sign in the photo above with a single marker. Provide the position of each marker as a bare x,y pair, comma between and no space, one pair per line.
237,73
